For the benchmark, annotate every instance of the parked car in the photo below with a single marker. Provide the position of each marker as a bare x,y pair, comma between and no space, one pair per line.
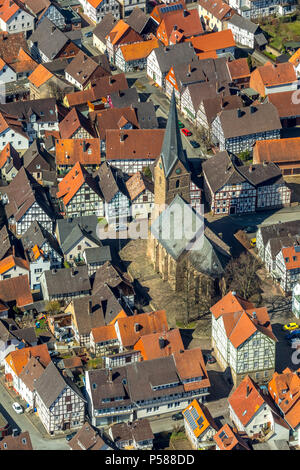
290,326
250,229
194,144
89,34
186,132
180,125
210,358
70,436
18,408
177,416
253,242
54,353
293,334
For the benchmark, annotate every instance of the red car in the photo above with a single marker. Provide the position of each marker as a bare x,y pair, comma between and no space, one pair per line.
186,132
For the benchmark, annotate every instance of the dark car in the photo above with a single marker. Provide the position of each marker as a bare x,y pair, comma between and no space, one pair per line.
194,144
177,416
250,229
70,436
210,359
293,334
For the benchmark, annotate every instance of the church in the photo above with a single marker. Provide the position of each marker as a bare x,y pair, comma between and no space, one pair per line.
182,248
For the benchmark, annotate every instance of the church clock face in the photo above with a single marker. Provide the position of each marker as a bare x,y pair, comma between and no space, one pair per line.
178,171
160,166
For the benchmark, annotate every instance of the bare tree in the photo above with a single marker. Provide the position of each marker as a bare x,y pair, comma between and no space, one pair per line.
241,275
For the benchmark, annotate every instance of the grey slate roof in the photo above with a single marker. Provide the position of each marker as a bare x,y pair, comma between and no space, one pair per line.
219,170
139,430
75,236
262,173
181,53
137,20
105,26
172,149
279,230
51,384
243,23
97,255
265,118
65,226
124,98
146,115
260,39
45,109
36,234
61,281
50,39
182,229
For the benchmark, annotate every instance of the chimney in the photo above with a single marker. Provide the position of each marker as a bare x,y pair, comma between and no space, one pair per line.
217,86
85,146
248,390
72,272
111,80
253,314
166,49
185,13
190,44
90,307
15,432
239,113
53,271
265,163
109,375
122,136
220,235
252,109
53,29
175,27
136,327
189,70
233,293
161,342
251,168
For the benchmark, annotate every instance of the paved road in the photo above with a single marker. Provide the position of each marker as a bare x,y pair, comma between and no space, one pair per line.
22,423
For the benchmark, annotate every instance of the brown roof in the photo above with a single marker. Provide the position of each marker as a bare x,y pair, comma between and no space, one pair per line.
101,88
16,289
20,442
159,344
190,364
10,45
85,151
137,184
133,144
285,104
73,121
139,430
239,68
87,439
82,67
218,8
227,439
110,180
181,22
31,372
213,106
276,74
111,118
105,26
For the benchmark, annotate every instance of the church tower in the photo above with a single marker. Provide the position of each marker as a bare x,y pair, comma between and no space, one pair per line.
172,174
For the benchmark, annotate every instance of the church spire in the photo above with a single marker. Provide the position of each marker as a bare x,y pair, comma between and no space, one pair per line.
172,149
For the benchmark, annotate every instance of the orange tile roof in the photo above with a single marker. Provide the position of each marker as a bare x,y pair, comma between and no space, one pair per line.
157,345
147,323
229,439
285,104
284,388
138,50
19,358
187,24
291,257
118,31
94,3
207,55
190,364
279,74
202,412
37,252
72,182
7,9
7,263
213,41
295,59
104,333
157,14
24,62
241,319
133,146
218,8
246,400
8,151
84,151
277,150
40,76
2,63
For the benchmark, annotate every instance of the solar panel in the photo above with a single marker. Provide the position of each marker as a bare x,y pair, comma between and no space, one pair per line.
297,249
171,8
195,414
200,421
190,420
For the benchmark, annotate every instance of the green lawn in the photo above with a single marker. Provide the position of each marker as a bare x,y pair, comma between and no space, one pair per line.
189,326
43,328
282,32
95,363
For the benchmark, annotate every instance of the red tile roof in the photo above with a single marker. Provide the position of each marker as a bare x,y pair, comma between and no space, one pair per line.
238,68
16,289
277,150
284,388
214,41
12,261
40,76
157,345
291,257
226,439
133,146
246,400
73,181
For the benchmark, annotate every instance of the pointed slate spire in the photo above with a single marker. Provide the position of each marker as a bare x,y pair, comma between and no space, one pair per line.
172,149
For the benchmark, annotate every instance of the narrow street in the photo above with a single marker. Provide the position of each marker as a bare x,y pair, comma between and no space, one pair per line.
22,423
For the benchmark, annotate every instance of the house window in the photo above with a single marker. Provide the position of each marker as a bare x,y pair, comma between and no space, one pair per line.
68,399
